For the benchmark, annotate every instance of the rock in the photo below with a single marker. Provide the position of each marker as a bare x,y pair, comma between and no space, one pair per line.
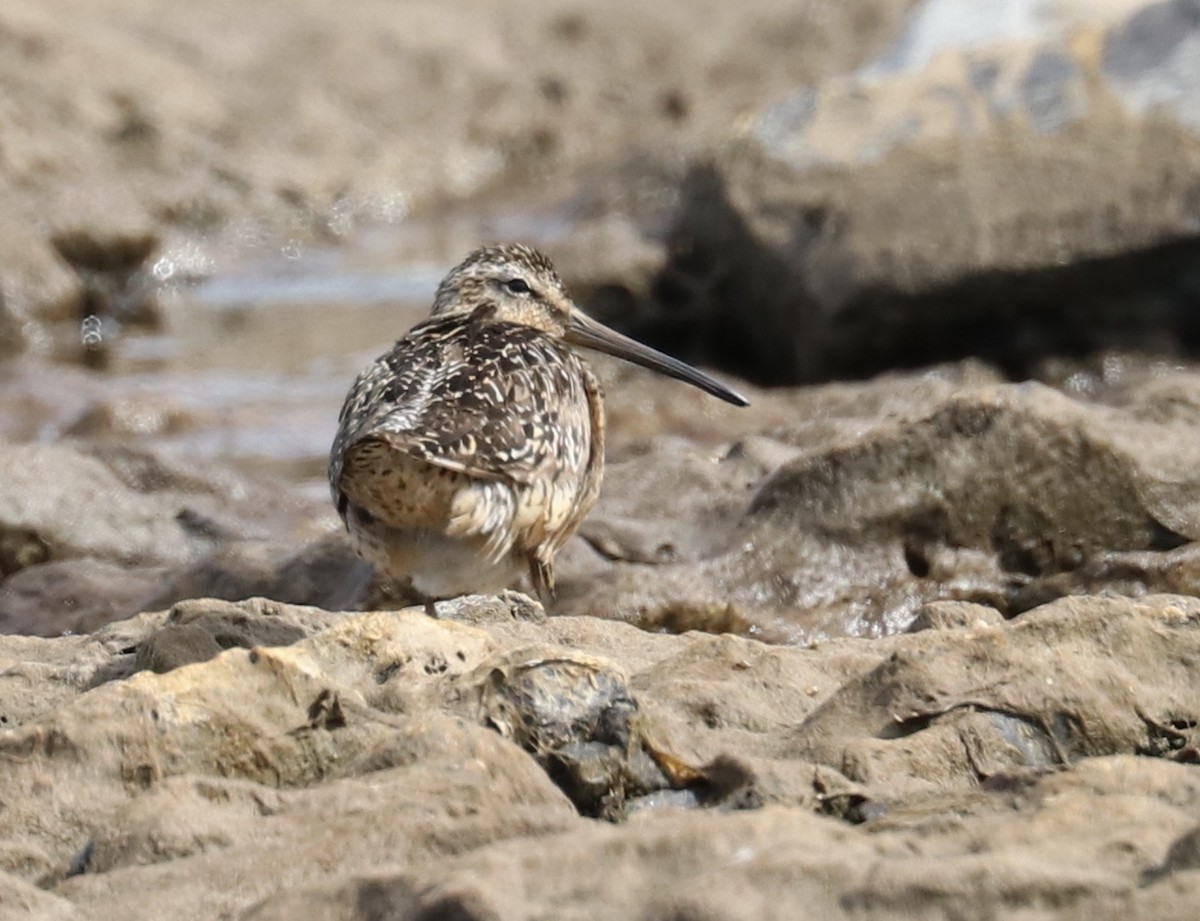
325,573
81,595
174,646
482,610
110,653
75,506
256,622
197,702
197,630
111,530
975,494
577,715
1096,707
776,864
954,615
960,194
356,772
74,596
19,898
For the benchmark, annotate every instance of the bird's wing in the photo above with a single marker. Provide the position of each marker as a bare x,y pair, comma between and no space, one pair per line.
495,401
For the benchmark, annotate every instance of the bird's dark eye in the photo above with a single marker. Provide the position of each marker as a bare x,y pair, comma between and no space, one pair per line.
517,286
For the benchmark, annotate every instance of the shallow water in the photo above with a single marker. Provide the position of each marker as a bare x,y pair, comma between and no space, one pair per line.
250,366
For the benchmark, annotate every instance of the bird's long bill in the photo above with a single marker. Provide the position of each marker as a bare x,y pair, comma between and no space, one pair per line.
585,331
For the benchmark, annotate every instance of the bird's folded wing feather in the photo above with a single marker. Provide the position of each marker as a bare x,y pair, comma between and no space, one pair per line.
493,402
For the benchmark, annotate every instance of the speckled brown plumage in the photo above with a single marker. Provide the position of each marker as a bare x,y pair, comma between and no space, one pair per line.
475,446
489,431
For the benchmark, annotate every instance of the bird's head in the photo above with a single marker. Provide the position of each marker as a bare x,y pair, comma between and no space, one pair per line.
514,283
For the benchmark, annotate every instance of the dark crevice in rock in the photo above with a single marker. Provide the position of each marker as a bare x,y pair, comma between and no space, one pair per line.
80,862
1166,738
1018,547
917,561
19,549
1163,538
900,728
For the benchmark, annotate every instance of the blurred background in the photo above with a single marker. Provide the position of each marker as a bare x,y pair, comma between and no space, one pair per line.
212,215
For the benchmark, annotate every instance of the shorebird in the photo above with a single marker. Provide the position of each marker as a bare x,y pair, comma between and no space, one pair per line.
474,447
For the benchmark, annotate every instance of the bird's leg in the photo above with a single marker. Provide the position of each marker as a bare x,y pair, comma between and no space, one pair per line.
541,574
405,594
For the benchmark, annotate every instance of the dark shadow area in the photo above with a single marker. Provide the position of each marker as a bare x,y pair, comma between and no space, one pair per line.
726,300
1144,301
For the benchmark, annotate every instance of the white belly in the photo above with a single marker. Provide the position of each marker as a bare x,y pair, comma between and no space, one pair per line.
437,565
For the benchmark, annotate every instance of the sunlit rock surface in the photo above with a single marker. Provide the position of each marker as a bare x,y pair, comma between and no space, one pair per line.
387,762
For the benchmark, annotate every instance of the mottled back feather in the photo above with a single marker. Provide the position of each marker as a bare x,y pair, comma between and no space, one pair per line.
492,400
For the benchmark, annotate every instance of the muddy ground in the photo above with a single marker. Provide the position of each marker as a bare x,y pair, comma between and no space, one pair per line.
913,636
